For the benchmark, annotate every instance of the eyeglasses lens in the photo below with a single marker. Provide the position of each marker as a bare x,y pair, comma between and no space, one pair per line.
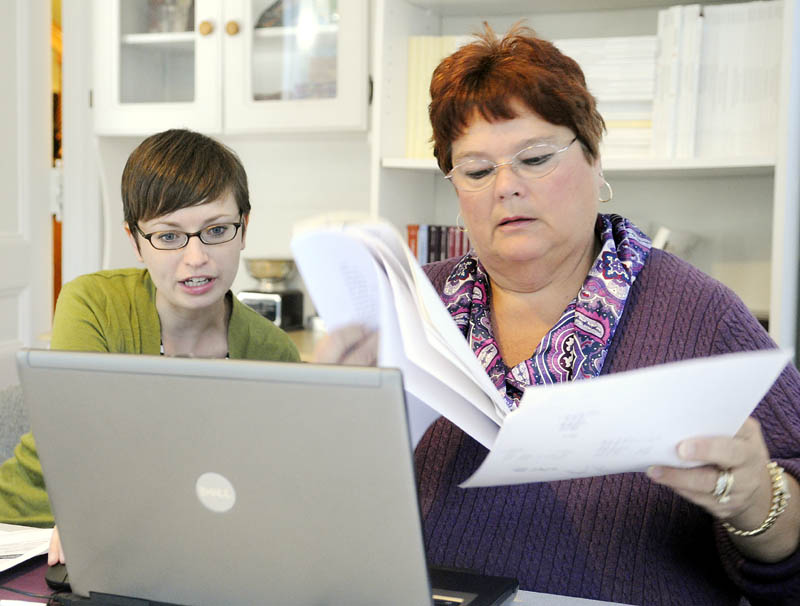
218,234
533,162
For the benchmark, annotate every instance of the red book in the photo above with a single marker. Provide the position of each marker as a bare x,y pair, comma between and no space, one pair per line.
413,235
452,238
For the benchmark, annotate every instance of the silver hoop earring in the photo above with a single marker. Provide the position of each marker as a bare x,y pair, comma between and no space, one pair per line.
459,222
610,195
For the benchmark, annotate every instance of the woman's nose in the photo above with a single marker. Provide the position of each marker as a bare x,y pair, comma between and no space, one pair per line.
507,182
195,253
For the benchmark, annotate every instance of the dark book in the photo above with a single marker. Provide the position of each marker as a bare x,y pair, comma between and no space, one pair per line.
434,242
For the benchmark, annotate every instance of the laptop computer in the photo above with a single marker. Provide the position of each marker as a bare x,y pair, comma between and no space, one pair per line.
188,481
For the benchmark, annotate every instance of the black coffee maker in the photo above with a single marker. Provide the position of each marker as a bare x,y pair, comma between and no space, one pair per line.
272,298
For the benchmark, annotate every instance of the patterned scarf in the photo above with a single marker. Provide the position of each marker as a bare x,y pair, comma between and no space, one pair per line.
576,347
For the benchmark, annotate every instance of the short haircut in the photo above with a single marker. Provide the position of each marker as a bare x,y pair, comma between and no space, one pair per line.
488,74
177,169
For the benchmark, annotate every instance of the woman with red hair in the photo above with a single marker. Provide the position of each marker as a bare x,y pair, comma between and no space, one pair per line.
555,290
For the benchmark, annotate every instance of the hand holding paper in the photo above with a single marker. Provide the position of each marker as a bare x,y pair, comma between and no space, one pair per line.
362,271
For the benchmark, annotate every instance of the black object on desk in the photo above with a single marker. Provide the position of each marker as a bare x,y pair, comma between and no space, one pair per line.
476,589
56,577
103,599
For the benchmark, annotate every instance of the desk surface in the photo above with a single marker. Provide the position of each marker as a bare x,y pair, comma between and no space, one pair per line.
532,598
29,576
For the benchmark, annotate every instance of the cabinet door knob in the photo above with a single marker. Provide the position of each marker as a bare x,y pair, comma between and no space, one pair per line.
205,28
232,28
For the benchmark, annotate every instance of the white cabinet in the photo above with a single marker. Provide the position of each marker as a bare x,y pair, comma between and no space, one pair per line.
230,66
741,213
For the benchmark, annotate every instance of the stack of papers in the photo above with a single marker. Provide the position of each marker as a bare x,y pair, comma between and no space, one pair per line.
714,96
424,55
621,74
21,543
359,271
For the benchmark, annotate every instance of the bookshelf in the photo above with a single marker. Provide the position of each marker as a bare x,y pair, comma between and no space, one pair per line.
739,215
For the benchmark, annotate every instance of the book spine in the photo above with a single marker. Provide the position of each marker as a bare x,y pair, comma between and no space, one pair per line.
412,232
691,43
452,238
665,101
422,244
434,241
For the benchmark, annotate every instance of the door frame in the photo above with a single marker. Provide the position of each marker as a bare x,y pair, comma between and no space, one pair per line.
26,244
82,239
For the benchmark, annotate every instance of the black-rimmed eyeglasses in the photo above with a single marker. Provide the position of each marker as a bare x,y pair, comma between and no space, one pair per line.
218,233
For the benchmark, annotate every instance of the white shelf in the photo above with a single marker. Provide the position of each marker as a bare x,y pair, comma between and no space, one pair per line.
158,38
410,163
478,8
161,40
280,32
688,167
641,167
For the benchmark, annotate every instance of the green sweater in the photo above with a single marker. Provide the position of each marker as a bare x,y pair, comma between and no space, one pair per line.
114,311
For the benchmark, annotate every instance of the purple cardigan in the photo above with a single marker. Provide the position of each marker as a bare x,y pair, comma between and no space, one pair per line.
618,538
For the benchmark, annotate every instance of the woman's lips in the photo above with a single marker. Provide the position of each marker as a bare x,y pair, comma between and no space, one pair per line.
197,285
511,222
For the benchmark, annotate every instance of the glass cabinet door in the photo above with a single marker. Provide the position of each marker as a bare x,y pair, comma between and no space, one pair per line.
157,65
294,49
295,64
156,51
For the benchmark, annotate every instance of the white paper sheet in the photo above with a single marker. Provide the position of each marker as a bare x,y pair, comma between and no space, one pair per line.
341,278
20,543
627,421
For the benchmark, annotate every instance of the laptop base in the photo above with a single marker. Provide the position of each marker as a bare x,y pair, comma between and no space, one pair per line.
103,599
466,588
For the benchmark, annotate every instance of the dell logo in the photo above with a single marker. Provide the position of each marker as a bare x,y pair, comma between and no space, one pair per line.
215,492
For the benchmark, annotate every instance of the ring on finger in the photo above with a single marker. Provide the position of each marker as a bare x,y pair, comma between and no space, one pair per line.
722,489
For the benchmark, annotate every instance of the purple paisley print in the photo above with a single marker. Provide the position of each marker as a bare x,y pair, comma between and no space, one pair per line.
576,347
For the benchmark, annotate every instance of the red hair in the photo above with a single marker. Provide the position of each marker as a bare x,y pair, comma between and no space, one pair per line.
488,74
